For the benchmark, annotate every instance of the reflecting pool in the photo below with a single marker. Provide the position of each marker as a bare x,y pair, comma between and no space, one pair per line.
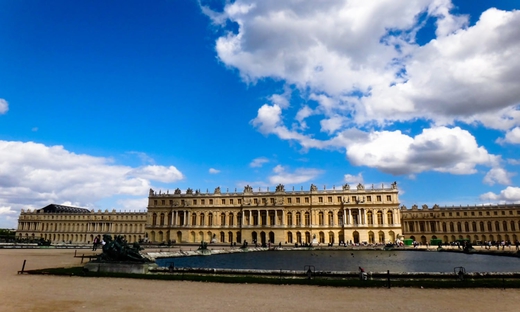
351,260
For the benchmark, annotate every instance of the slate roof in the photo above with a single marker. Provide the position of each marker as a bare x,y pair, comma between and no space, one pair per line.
53,208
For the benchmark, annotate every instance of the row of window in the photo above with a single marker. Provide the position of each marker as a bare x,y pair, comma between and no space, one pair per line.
83,217
262,217
480,227
488,213
256,201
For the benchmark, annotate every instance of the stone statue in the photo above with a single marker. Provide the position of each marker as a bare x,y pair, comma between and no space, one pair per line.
189,191
197,192
280,188
314,188
118,250
177,191
360,187
394,185
248,189
346,187
151,192
217,190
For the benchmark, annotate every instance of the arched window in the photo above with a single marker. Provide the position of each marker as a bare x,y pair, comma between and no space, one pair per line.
289,222
202,219
497,226
193,219
490,228
307,219
331,218
222,219
466,226
154,219
482,226
452,229
390,217
370,218
299,221
474,226
231,219
321,220
210,219
504,225
162,219
513,228
379,217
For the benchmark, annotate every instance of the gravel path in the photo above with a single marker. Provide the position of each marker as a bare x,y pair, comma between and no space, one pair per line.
55,293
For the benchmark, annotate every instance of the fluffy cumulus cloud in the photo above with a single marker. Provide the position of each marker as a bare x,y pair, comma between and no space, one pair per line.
498,175
359,66
442,149
508,195
300,175
4,107
33,175
354,179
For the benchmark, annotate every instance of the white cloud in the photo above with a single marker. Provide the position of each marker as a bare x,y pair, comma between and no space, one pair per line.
5,210
509,195
354,179
512,137
157,173
498,175
4,106
213,171
258,162
360,63
300,175
513,161
33,175
440,149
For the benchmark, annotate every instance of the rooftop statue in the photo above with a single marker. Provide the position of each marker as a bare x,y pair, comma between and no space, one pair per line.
346,187
360,187
177,191
248,189
280,188
314,188
217,190
117,249
394,185
189,191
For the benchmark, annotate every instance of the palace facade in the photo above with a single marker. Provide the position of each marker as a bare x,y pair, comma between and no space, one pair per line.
59,224
352,215
474,223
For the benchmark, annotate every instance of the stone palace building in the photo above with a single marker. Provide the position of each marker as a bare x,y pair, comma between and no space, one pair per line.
58,223
352,215
473,223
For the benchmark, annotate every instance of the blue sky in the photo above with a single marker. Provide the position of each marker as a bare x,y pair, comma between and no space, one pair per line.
102,100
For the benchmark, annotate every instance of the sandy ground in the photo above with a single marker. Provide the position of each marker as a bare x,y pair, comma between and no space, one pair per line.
54,293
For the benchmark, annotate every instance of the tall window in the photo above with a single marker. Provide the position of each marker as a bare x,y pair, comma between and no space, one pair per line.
289,218
298,218
321,219
210,219
222,219
390,217
307,219
379,217
370,218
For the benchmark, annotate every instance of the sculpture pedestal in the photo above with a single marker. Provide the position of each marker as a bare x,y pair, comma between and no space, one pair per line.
120,267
